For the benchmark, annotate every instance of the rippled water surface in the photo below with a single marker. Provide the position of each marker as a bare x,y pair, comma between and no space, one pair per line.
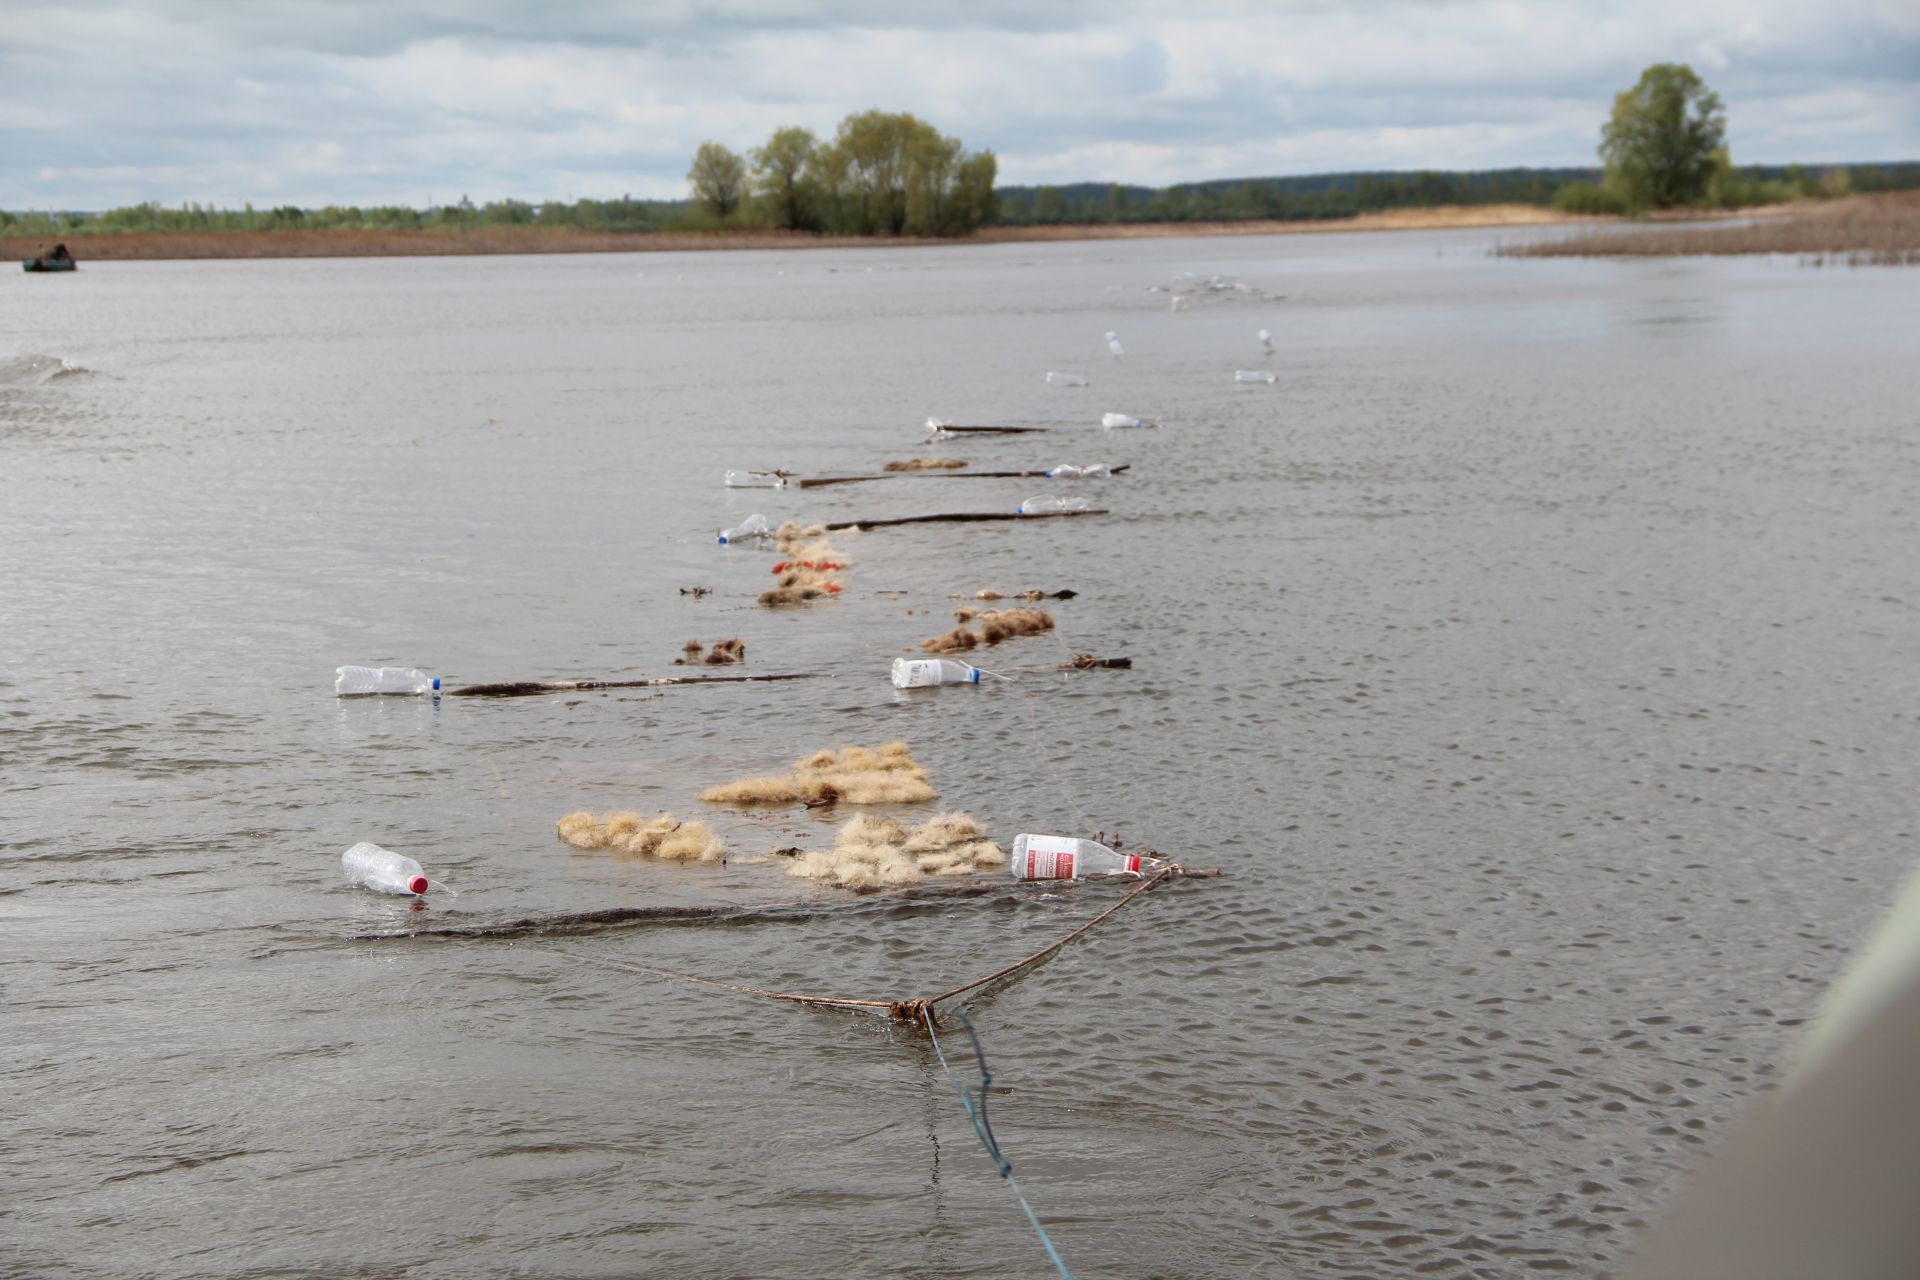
1536,657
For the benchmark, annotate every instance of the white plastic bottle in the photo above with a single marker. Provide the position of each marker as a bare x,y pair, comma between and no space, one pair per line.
755,480
352,682
1255,375
1069,858
382,870
918,673
1124,420
754,526
1047,502
1056,379
1093,470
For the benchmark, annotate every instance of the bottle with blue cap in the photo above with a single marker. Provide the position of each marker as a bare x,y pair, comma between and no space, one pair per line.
918,673
354,682
754,526
1050,502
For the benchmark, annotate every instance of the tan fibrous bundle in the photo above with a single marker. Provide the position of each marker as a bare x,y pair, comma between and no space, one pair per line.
995,625
661,836
723,653
856,775
811,569
791,537
926,464
877,853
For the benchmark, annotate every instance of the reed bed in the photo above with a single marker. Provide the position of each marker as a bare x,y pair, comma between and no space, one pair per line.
1877,230
101,246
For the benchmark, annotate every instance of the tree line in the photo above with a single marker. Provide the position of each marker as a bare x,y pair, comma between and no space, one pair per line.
891,174
881,174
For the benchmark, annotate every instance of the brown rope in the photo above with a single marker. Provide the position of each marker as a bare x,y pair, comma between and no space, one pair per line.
1158,878
913,1010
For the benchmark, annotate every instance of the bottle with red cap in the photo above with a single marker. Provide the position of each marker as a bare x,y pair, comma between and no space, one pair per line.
383,870
1070,858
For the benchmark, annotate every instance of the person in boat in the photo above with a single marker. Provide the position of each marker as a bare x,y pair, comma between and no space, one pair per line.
60,254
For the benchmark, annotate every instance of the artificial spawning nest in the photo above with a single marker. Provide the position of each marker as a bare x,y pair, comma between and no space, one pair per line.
855,775
811,570
661,836
878,853
995,626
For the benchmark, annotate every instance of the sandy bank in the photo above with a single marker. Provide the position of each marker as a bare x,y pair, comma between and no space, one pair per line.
1876,230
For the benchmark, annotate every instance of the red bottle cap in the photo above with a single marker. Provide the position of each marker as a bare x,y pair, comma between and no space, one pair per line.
418,884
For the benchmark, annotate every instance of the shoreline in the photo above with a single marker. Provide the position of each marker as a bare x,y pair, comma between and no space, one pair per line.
134,246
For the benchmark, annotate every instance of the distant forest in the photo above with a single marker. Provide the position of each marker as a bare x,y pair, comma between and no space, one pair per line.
1343,195
1315,196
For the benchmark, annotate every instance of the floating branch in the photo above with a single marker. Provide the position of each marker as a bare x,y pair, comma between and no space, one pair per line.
965,517
525,688
938,427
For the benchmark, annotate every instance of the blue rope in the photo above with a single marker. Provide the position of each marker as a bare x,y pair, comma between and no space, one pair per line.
977,1117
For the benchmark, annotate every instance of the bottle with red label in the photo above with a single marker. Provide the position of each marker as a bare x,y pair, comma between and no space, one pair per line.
1070,858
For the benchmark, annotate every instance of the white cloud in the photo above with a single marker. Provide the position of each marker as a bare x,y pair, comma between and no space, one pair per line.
349,101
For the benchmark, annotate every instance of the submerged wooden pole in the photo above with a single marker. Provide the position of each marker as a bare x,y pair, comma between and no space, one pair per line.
524,688
936,475
964,517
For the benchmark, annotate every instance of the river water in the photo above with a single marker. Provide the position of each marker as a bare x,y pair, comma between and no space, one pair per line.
1536,657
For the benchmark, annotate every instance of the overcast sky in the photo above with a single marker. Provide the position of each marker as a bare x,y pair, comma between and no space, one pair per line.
313,102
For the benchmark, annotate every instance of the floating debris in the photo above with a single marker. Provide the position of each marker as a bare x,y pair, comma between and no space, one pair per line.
856,775
926,464
919,673
1125,420
1255,375
723,653
1092,662
752,529
756,479
1057,379
1053,504
995,626
1113,343
988,593
941,427
870,854
696,592
661,836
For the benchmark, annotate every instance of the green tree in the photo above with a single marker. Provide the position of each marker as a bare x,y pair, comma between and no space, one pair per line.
1049,206
786,181
719,179
1659,145
889,173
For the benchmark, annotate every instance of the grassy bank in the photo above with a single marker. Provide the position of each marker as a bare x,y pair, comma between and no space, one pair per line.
288,243
1878,230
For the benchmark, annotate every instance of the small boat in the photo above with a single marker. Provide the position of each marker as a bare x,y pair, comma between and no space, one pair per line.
58,260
